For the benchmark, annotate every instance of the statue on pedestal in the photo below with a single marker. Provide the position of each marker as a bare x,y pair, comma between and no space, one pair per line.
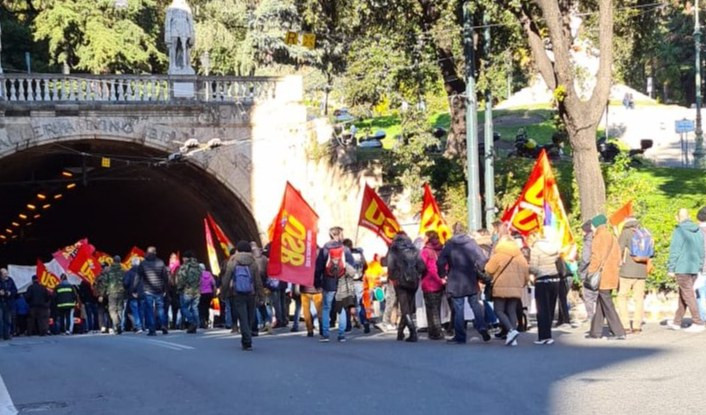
179,37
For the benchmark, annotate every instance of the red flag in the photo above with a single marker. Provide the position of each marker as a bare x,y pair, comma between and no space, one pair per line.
376,216
84,265
135,252
621,214
211,250
67,254
293,247
223,240
45,277
431,217
103,258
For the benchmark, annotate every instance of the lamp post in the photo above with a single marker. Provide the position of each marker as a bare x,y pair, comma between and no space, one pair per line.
474,207
206,65
699,133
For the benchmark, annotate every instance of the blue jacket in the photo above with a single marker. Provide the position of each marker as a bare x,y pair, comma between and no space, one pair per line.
322,281
460,260
686,251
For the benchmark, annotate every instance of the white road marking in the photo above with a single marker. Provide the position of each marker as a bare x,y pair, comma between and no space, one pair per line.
175,346
6,405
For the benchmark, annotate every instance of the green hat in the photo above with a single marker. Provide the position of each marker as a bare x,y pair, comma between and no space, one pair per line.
599,220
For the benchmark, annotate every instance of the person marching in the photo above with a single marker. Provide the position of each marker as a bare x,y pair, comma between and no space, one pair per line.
110,285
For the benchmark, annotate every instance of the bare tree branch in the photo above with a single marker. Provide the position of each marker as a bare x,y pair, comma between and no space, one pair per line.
601,91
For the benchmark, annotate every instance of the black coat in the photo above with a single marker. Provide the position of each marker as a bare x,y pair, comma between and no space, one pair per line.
460,260
38,296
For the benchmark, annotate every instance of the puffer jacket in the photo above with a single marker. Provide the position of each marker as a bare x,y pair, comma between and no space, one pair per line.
543,256
461,259
509,269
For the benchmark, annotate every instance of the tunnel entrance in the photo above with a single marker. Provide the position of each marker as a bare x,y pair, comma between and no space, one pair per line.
56,194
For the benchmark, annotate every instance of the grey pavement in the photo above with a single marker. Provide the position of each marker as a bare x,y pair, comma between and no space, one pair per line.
657,372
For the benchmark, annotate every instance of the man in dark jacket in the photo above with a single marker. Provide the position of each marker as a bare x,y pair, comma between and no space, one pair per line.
66,298
8,291
329,283
633,273
154,276
243,265
459,262
39,300
405,268
686,260
135,294
89,301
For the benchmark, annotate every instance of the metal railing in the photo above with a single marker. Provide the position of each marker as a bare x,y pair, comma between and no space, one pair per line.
76,88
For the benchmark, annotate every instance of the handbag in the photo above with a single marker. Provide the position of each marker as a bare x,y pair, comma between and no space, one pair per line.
593,280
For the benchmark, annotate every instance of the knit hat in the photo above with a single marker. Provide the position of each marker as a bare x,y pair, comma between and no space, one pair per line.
701,216
243,246
599,220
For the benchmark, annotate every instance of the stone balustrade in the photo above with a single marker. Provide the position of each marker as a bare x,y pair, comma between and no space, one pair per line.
76,88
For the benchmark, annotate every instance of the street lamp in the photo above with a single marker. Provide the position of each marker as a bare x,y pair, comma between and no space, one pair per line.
206,65
699,139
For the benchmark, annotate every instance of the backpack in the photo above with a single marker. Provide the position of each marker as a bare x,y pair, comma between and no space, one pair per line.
642,246
411,267
335,263
242,282
358,265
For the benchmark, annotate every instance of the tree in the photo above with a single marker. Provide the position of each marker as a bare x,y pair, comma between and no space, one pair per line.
98,38
221,26
581,117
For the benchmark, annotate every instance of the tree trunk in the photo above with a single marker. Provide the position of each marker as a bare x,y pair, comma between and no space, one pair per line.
588,172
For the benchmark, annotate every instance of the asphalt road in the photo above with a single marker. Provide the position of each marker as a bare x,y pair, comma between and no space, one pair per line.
657,372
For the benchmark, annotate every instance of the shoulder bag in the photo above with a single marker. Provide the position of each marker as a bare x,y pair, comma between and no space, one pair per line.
593,280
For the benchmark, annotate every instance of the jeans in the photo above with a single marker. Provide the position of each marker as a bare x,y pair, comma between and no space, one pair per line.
360,310
490,317
297,311
5,319
276,301
66,319
701,296
190,309
329,296
228,313
459,319
245,304
155,302
91,316
137,307
637,286
307,299
687,299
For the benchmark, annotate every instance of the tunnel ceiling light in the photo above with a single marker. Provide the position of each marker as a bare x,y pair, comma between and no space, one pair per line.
37,216
58,196
15,224
71,185
14,236
41,196
28,224
66,173
8,230
22,216
31,206
3,237
46,206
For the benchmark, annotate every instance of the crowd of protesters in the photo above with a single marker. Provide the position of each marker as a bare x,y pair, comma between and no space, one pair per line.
479,277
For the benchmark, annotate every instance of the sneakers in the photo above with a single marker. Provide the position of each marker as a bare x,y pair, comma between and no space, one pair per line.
511,337
672,326
695,328
545,342
342,339
247,347
323,339
152,333
514,343
139,331
165,331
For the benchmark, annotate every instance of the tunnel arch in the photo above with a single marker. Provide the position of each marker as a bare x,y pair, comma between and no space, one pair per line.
139,200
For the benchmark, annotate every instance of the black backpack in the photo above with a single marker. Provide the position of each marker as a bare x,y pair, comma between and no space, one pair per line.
410,266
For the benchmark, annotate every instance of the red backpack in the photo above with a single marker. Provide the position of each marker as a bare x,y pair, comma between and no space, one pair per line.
335,263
